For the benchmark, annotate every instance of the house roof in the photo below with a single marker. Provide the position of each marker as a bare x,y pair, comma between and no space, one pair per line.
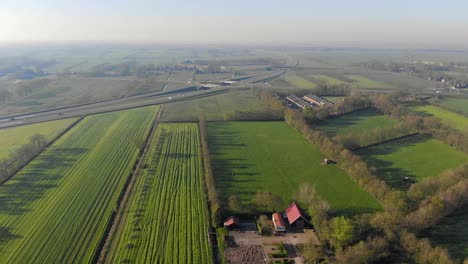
232,220
294,212
278,220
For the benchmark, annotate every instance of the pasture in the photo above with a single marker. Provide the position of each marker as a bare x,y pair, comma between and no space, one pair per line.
298,81
13,138
451,232
325,80
167,218
459,105
355,122
57,208
361,82
447,117
415,157
270,156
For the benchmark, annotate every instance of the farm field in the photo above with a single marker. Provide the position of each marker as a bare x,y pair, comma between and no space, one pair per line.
325,79
411,157
15,137
298,81
361,82
167,217
57,208
447,117
456,104
333,99
215,108
451,232
355,122
271,156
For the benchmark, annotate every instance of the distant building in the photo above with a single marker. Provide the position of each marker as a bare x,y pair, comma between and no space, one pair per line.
232,223
229,83
207,86
296,217
299,102
319,101
278,222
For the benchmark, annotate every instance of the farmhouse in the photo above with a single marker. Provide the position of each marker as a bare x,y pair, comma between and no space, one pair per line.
232,223
315,100
296,216
278,222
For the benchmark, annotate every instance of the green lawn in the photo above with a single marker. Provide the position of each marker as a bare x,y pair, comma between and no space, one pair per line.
56,209
355,122
456,104
168,206
416,157
447,117
271,156
13,138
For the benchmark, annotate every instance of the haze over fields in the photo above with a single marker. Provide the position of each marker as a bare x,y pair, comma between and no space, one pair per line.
426,24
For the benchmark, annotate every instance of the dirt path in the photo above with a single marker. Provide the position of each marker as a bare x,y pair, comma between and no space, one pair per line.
121,214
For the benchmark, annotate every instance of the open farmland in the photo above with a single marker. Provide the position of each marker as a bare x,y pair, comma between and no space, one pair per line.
13,138
447,117
270,156
355,122
298,81
451,232
167,218
457,104
325,80
57,208
361,82
411,157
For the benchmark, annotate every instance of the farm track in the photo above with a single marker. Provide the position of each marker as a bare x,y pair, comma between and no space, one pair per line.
120,215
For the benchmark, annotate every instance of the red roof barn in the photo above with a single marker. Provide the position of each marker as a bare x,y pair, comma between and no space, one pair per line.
294,213
232,222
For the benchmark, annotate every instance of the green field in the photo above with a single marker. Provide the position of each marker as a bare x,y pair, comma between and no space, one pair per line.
13,138
457,104
326,80
298,81
167,219
57,208
416,157
361,82
451,232
356,122
271,156
447,117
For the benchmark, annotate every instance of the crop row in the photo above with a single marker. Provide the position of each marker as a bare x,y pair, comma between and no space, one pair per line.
57,208
167,219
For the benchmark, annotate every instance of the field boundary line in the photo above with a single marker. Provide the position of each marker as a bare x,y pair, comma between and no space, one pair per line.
127,193
385,141
46,147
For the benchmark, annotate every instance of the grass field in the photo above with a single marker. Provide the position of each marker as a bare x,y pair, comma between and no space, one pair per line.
13,138
416,157
215,108
271,156
447,117
456,104
168,207
361,82
333,99
452,233
355,122
298,81
57,208
325,79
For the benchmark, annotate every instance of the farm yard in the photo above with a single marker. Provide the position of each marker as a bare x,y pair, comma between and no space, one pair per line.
451,232
13,138
57,208
412,157
447,117
270,156
167,219
355,122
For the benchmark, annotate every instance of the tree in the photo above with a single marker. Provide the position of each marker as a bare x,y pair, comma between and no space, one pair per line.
38,142
5,95
266,201
234,203
342,232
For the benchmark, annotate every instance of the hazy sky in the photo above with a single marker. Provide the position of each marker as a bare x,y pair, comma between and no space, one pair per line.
423,23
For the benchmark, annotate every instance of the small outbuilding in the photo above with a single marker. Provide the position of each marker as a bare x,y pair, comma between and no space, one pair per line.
296,217
278,222
232,223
